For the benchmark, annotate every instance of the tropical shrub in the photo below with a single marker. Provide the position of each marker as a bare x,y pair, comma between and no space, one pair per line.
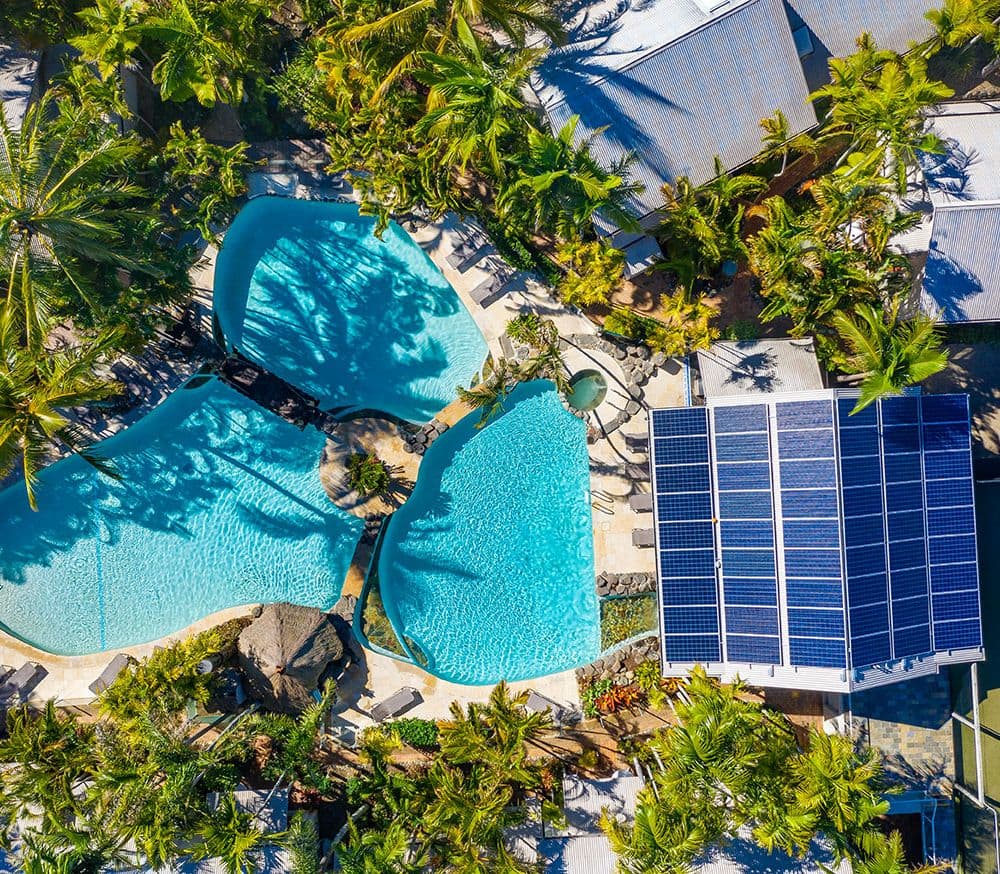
419,733
590,694
163,682
302,841
684,325
593,272
649,679
525,328
741,329
368,474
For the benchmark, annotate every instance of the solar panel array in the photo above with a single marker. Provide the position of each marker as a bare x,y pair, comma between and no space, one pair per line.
793,533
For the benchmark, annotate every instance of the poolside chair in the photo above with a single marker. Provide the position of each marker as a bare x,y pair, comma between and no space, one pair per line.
493,287
643,537
111,672
396,704
539,703
20,684
641,503
468,254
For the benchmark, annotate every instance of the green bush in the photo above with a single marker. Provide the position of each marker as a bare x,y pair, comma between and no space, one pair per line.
628,323
368,474
302,841
622,618
742,329
419,733
593,272
650,680
590,694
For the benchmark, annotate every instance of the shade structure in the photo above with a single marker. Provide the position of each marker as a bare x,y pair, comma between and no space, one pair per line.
284,652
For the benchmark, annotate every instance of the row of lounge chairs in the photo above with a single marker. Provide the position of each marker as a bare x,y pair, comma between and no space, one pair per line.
16,686
471,250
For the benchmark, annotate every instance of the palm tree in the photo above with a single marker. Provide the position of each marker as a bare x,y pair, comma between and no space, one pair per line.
64,196
231,835
111,36
489,389
559,187
204,49
35,392
374,851
961,21
474,100
889,352
780,140
662,840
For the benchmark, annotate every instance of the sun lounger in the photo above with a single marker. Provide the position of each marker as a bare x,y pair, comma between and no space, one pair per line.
540,704
260,184
399,702
641,503
110,673
493,287
643,537
472,247
20,684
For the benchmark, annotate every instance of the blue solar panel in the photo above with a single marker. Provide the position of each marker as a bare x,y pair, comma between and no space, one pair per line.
952,550
945,408
864,560
910,611
733,420
905,526
905,554
747,533
691,620
684,506
812,652
805,444
687,420
814,533
744,505
742,447
761,592
812,474
758,650
815,623
804,414
865,470
865,417
870,650
687,563
870,619
863,530
909,583
904,496
812,562
862,500
742,477
943,437
814,593
867,590
957,635
682,478
751,620
859,441
748,562
902,466
949,493
689,590
680,450
899,410
692,648
945,465
686,535
954,577
956,605
901,439
817,503
911,641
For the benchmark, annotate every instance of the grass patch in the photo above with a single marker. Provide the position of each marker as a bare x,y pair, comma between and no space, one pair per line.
622,618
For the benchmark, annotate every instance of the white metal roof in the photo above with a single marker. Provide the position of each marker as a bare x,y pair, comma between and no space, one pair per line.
969,171
735,367
18,72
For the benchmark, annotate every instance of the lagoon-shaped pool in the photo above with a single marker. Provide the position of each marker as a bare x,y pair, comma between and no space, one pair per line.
220,504
489,566
305,289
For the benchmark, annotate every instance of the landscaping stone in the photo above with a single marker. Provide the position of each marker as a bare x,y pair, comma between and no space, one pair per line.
632,408
619,353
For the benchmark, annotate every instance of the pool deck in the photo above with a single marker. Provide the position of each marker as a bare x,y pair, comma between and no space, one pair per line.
614,475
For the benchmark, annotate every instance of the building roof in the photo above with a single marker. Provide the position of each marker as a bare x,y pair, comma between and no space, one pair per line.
801,546
675,84
18,72
735,367
835,25
961,281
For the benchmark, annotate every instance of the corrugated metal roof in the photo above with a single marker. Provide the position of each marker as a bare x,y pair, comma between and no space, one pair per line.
583,801
834,25
18,72
759,367
970,168
962,274
675,107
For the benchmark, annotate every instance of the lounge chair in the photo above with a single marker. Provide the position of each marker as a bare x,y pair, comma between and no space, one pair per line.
643,537
469,253
396,704
493,286
110,673
641,503
540,704
20,684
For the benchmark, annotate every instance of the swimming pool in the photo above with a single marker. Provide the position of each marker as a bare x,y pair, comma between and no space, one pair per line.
220,505
305,289
489,566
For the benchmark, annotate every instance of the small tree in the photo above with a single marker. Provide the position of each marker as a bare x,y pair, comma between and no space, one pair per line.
593,271
368,474
302,841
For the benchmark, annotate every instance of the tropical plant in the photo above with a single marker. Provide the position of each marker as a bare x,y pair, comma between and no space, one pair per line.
780,141
474,100
489,389
368,475
960,21
232,836
302,842
890,353
559,187
593,272
683,324
877,102
111,35
36,392
419,733
38,23
591,694
525,328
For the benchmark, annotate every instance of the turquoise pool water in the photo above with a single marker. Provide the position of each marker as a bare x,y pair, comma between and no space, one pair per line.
305,289
220,505
489,565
